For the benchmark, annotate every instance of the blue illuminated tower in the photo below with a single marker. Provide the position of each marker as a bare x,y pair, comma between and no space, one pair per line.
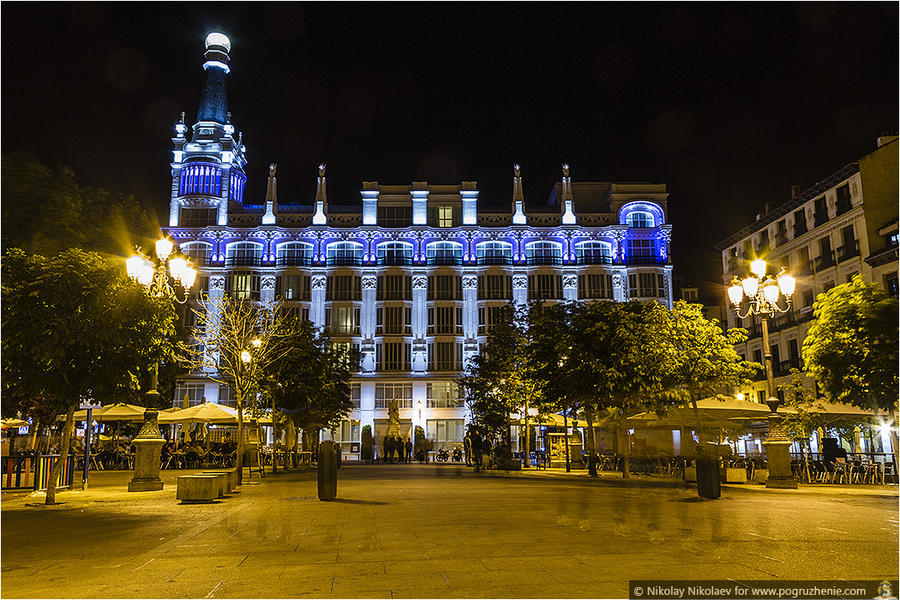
208,170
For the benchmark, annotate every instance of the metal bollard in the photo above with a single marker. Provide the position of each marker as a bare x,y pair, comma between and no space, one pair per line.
327,471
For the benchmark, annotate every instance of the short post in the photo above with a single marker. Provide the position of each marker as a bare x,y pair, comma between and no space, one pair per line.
327,471
148,444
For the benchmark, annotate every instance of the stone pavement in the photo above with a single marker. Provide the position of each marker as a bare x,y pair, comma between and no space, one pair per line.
421,531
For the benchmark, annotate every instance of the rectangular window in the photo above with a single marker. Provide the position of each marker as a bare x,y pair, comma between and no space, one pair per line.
394,287
445,431
293,287
445,216
347,432
444,320
641,251
385,392
544,286
444,395
392,356
343,287
197,217
226,395
495,287
646,285
394,216
488,318
194,392
595,285
799,222
393,320
242,285
342,320
445,356
444,287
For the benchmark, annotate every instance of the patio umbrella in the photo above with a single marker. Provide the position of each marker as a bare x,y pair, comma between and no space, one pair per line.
14,423
713,411
206,412
836,411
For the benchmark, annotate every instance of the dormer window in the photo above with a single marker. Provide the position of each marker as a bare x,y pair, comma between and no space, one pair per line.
640,218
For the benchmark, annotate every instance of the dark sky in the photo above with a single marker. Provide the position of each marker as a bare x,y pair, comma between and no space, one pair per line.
727,104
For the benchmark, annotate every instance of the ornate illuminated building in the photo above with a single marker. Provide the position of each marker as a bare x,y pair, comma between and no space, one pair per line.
414,274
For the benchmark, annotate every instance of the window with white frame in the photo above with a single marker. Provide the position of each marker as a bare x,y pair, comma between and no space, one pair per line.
643,248
394,252
444,395
342,320
347,431
595,286
199,253
193,390
242,285
197,217
385,392
355,395
293,287
594,253
445,216
298,253
488,317
639,218
445,431
344,250
227,396
444,251
343,287
543,251
244,251
486,251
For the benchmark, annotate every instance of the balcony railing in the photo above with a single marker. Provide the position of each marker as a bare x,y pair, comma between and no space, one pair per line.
344,261
294,261
494,260
593,260
395,261
544,260
848,251
444,261
243,261
820,218
644,260
784,367
825,261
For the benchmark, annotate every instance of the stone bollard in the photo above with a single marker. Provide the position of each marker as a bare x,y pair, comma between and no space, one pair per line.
327,471
148,445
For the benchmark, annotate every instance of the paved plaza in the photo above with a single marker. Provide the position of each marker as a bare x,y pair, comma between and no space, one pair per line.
420,531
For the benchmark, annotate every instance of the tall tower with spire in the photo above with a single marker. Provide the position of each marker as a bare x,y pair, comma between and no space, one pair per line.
208,170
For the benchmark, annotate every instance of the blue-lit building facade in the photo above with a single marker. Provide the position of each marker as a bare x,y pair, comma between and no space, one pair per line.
412,275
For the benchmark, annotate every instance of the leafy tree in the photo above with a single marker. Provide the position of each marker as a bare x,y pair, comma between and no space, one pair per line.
238,342
851,348
75,326
701,356
804,417
310,380
47,211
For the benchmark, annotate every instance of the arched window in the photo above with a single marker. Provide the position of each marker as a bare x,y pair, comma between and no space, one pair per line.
199,253
640,218
494,253
593,253
344,253
244,254
444,253
543,253
294,254
395,253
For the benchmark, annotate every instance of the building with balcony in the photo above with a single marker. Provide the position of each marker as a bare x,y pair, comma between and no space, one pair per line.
412,275
844,225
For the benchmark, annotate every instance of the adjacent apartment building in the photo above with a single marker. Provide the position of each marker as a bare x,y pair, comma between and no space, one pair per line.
844,225
412,274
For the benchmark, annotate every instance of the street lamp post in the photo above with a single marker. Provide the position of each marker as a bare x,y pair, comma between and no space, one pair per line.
155,277
762,293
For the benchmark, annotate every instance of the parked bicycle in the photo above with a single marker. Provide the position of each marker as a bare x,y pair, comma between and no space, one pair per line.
442,455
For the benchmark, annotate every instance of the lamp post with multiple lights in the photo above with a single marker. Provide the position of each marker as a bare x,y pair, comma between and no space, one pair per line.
155,278
762,293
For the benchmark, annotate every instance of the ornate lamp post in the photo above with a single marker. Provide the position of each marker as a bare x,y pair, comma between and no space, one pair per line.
155,277
762,293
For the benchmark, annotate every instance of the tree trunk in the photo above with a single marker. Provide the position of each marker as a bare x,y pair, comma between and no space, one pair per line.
626,467
274,439
527,437
894,443
63,454
239,459
591,441
566,436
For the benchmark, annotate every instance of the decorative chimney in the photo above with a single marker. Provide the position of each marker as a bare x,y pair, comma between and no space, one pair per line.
320,218
518,198
271,197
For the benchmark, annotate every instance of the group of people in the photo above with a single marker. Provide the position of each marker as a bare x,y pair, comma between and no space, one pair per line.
395,446
476,448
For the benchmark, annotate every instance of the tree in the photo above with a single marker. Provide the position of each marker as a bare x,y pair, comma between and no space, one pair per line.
851,348
310,379
47,211
804,417
76,326
237,341
701,356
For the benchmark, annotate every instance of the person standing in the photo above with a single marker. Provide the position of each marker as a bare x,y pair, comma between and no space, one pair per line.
409,447
398,444
388,446
476,450
467,447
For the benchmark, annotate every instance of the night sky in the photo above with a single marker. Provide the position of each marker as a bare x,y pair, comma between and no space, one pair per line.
727,104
